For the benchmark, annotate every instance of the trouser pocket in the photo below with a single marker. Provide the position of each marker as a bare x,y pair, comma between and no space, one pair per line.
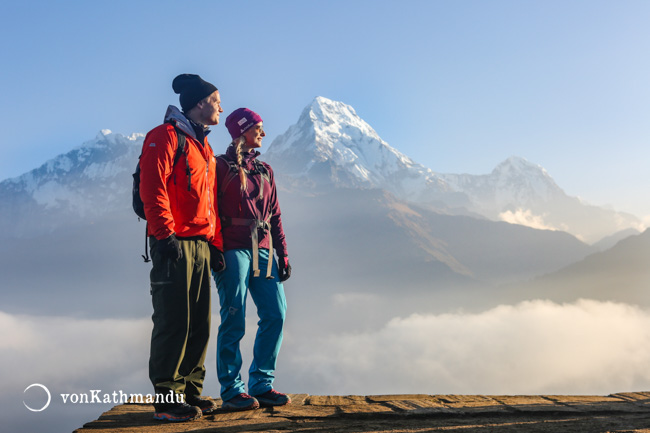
163,271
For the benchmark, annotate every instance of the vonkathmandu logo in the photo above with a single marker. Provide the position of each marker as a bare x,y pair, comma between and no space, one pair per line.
94,396
47,391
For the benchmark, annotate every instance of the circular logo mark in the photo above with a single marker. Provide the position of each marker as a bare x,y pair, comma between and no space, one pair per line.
47,391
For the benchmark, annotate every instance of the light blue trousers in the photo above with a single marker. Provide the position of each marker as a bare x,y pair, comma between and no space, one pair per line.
233,284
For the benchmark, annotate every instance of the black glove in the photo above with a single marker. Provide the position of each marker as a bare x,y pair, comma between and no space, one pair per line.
169,248
217,260
284,268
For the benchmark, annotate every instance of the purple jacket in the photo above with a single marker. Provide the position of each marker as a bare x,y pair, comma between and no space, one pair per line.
233,203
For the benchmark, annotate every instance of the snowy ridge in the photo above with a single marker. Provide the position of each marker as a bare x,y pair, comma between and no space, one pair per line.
96,152
88,180
514,181
330,137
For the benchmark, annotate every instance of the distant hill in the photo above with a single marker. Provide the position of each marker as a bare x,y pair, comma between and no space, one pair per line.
621,273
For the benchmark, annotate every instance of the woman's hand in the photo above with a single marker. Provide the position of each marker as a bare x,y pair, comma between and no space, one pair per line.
284,268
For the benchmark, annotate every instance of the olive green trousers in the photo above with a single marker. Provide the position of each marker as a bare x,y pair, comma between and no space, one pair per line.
180,293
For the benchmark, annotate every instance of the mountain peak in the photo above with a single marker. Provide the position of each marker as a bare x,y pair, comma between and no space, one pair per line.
519,164
331,120
325,109
331,144
519,172
323,102
103,133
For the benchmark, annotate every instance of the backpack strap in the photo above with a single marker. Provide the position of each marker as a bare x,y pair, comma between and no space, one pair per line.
264,175
180,149
232,173
146,248
255,225
181,144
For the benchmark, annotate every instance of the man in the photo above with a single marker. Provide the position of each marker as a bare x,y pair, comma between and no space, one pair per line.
177,187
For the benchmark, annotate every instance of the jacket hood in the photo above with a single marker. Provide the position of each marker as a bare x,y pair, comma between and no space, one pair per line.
183,123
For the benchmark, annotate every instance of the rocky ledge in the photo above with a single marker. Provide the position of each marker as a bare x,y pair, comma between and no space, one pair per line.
624,412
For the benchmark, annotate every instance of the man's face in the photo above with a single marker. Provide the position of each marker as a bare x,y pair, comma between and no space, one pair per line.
210,108
254,135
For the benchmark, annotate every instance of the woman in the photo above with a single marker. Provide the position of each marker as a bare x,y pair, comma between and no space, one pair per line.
251,228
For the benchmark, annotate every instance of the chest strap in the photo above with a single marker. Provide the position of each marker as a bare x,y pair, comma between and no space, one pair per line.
254,225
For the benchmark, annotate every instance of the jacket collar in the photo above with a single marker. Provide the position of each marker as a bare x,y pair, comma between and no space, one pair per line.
175,116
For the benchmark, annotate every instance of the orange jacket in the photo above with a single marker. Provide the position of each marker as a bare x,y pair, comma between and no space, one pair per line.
173,201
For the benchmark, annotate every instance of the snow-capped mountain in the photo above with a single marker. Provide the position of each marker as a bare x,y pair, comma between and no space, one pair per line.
331,145
515,180
88,182
520,192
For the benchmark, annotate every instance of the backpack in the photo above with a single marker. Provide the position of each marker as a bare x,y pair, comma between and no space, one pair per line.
233,172
253,224
138,205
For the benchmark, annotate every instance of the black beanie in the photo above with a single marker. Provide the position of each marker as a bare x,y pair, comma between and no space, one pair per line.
192,89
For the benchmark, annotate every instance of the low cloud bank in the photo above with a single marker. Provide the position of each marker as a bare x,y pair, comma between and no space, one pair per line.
68,352
535,347
67,356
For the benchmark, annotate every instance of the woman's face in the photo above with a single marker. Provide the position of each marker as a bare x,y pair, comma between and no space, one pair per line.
254,135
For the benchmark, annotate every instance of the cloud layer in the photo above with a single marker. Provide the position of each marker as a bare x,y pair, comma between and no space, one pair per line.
535,347
527,218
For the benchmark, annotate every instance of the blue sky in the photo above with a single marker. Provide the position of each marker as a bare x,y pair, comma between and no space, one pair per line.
457,85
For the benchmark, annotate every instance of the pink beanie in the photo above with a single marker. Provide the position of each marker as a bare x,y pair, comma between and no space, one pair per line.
240,120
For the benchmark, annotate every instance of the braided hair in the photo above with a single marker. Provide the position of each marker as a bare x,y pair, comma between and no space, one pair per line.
239,148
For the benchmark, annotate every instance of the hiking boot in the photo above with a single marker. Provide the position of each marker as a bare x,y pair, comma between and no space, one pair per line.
240,402
205,404
177,412
273,398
